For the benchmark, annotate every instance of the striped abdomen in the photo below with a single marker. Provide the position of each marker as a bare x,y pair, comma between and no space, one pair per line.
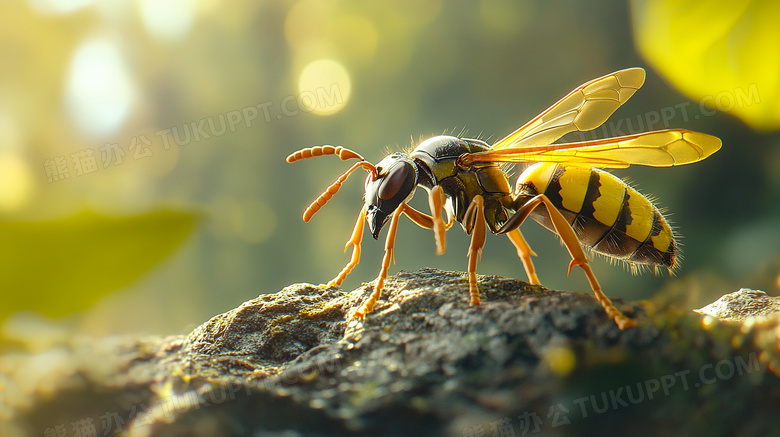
607,215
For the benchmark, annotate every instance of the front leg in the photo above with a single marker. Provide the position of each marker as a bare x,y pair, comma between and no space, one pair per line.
357,237
380,280
419,218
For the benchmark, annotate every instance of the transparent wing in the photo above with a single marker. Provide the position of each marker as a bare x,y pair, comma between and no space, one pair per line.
663,148
584,109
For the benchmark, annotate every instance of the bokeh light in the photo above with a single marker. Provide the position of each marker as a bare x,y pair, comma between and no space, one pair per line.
99,89
324,87
59,6
16,182
168,20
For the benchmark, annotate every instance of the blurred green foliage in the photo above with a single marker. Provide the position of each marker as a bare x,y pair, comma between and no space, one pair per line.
723,52
205,99
61,266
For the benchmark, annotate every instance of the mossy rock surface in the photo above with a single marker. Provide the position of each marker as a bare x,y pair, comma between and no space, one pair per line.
528,361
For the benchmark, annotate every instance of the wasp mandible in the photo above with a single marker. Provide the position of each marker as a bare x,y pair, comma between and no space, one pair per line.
585,206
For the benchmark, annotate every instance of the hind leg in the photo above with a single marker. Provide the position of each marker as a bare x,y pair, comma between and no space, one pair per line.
572,243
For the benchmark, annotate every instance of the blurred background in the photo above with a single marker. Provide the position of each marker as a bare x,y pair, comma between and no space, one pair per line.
143,183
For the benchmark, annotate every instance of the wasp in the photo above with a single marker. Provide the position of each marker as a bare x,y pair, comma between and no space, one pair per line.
587,207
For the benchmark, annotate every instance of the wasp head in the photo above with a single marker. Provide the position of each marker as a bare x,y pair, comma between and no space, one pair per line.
395,183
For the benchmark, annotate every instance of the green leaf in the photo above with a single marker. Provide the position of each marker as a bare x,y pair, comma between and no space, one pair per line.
66,265
722,53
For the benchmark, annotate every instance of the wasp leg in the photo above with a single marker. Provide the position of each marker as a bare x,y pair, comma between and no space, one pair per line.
354,240
435,222
436,200
475,220
572,243
419,218
380,280
427,222
524,252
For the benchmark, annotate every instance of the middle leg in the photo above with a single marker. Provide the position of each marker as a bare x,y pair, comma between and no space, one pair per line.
436,200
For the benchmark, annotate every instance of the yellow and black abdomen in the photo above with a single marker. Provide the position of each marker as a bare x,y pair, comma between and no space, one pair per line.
607,215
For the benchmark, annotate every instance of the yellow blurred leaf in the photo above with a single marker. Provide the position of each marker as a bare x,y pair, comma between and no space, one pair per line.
722,53
66,265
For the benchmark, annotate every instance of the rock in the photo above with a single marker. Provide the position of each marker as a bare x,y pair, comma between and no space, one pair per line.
528,361
742,305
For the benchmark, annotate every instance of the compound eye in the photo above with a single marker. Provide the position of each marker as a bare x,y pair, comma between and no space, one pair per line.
394,181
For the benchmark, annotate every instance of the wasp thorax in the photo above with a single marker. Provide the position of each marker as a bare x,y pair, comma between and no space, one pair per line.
395,183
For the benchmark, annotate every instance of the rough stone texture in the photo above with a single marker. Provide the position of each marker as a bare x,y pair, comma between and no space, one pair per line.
528,361
742,305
